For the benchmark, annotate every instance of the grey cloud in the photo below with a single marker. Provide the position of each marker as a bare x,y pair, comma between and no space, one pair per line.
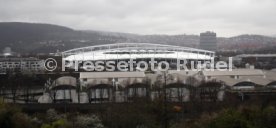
225,17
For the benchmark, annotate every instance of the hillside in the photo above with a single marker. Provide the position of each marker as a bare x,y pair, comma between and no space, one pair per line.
13,32
33,37
45,38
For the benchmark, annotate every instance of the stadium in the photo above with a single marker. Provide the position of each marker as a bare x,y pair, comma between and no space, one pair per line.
137,51
122,51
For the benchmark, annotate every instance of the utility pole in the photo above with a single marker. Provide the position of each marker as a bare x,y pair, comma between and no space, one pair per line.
79,89
114,89
165,100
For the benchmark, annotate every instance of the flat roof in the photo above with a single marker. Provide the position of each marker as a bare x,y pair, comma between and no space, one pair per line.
231,81
94,75
19,59
257,55
240,72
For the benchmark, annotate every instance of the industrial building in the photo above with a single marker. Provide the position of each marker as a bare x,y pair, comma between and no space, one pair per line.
179,86
17,64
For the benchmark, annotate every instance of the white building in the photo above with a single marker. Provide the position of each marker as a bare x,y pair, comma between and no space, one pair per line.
240,79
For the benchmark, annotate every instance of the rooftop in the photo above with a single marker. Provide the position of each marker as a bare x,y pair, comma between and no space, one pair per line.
95,75
234,72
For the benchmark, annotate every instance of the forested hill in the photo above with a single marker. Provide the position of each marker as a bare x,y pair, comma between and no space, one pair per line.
45,38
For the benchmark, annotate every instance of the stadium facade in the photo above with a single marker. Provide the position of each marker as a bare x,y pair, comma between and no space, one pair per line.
137,52
123,51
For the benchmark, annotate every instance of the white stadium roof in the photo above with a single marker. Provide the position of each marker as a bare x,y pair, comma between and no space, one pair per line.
121,51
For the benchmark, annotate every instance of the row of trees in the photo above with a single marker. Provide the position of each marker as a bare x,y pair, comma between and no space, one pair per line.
12,117
242,117
141,114
18,87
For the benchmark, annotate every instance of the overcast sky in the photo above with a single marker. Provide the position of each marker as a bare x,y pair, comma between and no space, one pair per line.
225,17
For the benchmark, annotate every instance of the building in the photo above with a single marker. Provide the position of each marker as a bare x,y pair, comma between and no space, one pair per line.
7,51
137,52
261,61
125,85
123,51
23,65
179,86
208,41
62,90
241,79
